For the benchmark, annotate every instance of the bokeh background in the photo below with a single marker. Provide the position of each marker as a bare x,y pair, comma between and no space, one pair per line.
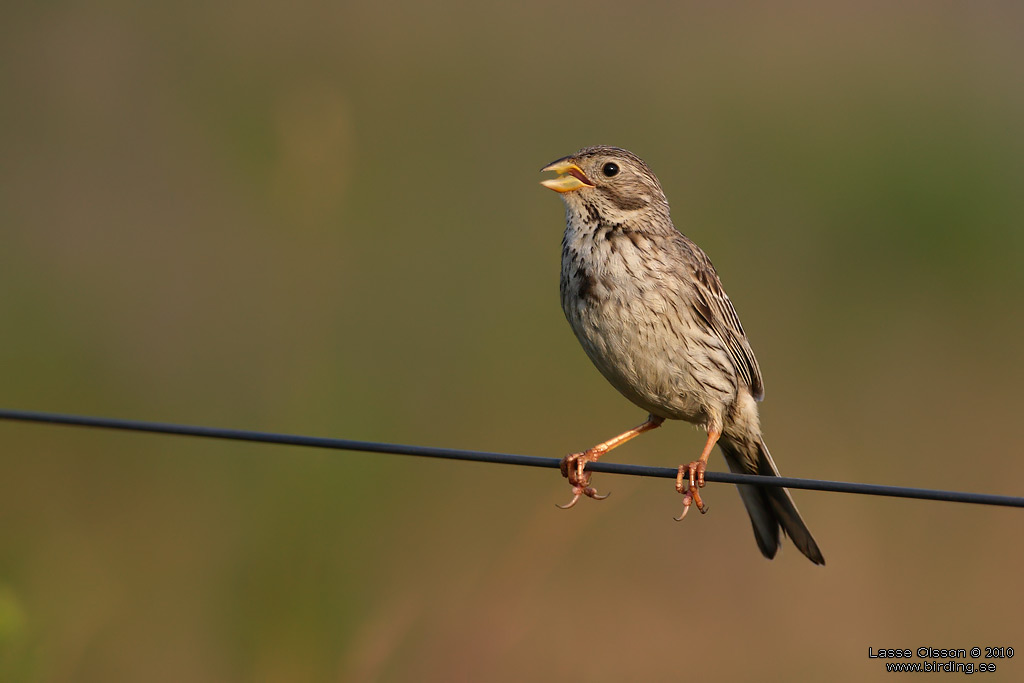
324,218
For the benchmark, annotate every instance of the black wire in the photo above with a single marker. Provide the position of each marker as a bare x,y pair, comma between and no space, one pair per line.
502,458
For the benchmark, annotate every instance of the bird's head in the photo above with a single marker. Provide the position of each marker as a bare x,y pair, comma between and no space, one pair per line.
613,181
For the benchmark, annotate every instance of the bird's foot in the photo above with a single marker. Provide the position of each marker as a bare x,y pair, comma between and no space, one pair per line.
689,482
573,468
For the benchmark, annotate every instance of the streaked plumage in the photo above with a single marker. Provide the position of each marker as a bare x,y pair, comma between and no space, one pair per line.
649,309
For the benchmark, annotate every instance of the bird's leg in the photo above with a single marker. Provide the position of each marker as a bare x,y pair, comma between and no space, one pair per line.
574,466
690,485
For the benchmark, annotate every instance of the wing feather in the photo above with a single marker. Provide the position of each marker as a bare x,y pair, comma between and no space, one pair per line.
715,308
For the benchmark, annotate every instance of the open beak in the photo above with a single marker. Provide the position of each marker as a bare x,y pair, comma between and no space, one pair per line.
570,176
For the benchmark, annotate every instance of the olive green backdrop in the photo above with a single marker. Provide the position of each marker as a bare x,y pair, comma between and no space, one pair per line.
325,218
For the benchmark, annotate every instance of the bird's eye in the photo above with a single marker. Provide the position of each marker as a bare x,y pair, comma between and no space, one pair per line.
610,169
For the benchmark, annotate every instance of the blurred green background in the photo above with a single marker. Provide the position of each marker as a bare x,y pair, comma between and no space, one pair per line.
325,218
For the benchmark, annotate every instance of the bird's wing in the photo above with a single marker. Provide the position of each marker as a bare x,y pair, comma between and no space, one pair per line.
715,308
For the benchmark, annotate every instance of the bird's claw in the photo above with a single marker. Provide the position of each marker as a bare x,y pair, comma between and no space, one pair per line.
689,481
588,491
573,468
687,500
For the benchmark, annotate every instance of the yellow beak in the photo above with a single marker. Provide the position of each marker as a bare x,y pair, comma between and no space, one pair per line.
573,179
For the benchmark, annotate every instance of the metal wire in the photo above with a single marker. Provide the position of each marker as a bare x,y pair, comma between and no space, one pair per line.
502,458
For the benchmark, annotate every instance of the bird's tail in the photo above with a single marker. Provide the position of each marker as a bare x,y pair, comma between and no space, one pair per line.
770,507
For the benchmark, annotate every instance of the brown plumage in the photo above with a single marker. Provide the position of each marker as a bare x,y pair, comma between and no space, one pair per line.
649,310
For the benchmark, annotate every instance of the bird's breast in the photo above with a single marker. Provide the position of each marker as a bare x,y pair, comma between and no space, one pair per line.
630,319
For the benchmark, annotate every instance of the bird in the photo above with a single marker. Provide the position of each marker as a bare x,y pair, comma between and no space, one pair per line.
650,311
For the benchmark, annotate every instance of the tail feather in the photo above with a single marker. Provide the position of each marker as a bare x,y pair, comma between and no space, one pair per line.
771,508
